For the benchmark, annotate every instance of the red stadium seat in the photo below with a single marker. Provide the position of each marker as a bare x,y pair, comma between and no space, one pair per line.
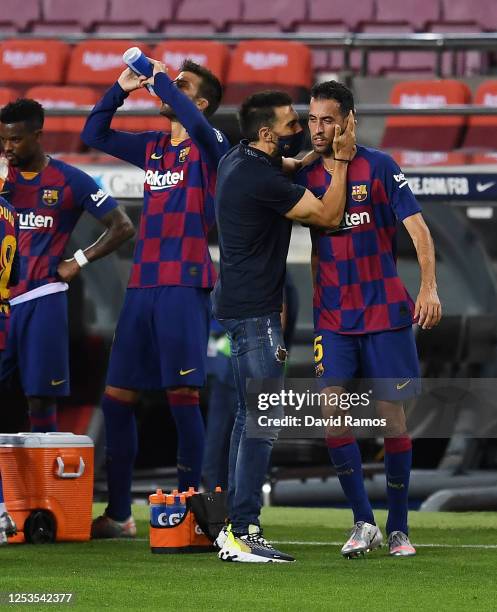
20,14
99,62
256,65
380,62
212,54
85,13
152,16
109,27
249,27
62,134
7,94
33,61
480,12
466,62
324,59
286,13
138,100
482,130
57,29
426,133
352,14
417,13
176,30
217,12
407,159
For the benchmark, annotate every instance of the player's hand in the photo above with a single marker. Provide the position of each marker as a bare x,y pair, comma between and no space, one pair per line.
158,67
344,144
428,309
68,269
129,80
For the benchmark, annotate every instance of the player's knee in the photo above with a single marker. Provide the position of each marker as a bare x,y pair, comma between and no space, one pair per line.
121,395
192,392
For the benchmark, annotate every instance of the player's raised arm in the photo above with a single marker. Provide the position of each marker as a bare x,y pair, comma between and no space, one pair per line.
97,132
328,211
191,113
428,307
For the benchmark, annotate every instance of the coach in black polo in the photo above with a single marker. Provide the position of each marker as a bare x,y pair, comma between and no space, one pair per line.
255,205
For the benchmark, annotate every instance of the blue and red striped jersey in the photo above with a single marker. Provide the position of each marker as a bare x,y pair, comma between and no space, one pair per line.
48,205
179,188
8,245
358,289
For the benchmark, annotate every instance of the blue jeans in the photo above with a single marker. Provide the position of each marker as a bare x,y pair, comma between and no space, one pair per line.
257,351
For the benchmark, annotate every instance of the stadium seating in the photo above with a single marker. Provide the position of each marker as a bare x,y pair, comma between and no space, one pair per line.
131,13
380,62
282,14
217,12
257,65
213,55
7,94
98,62
412,12
62,134
477,12
176,30
352,14
20,14
482,130
28,62
422,132
324,59
83,13
407,159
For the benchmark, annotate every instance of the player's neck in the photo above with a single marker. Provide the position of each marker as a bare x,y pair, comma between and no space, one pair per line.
38,163
328,162
178,131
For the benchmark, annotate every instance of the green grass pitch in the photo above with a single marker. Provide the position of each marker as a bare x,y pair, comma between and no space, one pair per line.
455,569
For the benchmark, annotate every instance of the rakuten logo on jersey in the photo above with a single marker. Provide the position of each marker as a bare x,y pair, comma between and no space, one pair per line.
32,221
355,219
158,181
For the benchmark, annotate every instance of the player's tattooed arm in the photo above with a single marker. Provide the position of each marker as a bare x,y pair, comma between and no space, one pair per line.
428,307
119,229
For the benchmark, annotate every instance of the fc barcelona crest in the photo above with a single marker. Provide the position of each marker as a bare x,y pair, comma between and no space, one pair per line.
359,193
50,197
183,154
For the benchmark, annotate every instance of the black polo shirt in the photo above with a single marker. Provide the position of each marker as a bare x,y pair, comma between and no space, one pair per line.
252,197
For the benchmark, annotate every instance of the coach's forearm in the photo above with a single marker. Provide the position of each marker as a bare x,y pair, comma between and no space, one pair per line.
336,196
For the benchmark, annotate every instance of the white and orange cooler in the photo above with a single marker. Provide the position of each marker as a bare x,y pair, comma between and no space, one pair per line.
48,485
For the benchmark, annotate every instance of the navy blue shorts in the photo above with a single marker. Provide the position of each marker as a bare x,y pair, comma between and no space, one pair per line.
38,346
161,339
389,359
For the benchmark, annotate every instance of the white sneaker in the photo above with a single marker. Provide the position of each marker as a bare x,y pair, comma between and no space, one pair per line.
399,545
7,527
222,536
364,537
251,548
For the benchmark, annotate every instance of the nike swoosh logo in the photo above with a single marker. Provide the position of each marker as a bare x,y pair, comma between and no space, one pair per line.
56,383
155,156
185,372
484,186
399,387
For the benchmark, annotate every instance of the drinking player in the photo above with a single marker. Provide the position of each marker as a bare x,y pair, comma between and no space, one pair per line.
162,333
49,197
9,272
363,314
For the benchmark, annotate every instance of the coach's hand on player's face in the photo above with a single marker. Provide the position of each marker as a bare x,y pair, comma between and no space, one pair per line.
68,269
428,308
129,80
344,142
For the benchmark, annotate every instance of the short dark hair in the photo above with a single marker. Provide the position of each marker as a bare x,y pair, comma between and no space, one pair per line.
257,111
210,88
333,90
24,109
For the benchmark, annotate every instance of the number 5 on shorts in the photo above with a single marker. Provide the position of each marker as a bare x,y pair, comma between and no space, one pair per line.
318,349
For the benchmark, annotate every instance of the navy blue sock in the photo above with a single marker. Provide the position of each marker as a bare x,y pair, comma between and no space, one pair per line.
398,460
42,416
121,442
346,458
191,436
